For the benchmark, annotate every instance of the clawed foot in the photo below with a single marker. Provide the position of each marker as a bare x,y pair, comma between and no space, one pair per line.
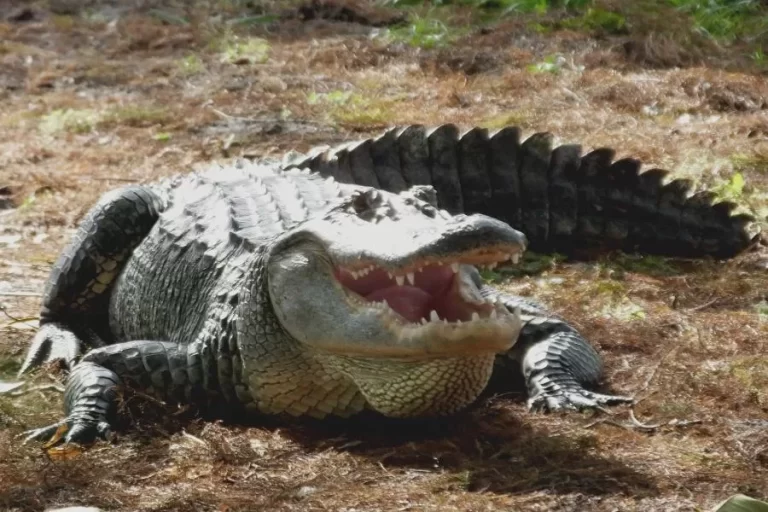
70,430
573,399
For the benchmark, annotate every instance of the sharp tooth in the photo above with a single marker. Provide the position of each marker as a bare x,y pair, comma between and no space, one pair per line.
354,274
475,316
455,267
433,316
492,266
515,258
458,322
390,275
494,314
518,313
505,257
411,278
400,280
424,321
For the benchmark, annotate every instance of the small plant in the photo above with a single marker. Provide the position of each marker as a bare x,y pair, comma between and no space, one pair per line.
162,137
731,190
726,20
69,120
551,64
425,32
598,20
534,6
759,57
190,65
237,50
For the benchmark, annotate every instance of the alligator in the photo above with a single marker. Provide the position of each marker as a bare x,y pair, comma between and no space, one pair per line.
347,279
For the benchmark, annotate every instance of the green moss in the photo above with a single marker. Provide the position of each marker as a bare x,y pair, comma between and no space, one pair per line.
355,110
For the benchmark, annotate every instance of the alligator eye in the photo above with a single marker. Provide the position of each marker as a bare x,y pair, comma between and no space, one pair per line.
362,201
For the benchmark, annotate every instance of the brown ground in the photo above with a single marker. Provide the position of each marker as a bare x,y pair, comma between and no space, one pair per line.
91,101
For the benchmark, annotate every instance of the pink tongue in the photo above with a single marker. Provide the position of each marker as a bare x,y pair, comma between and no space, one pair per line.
409,301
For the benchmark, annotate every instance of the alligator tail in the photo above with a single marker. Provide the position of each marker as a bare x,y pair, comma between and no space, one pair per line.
562,200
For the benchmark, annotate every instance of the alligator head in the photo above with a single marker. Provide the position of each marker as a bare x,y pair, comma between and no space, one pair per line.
381,288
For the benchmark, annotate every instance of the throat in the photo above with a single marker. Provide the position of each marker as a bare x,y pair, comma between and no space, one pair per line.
410,302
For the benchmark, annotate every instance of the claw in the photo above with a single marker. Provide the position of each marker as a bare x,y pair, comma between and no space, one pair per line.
575,399
41,434
77,431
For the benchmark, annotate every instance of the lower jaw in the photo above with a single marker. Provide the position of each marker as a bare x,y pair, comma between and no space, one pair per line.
404,389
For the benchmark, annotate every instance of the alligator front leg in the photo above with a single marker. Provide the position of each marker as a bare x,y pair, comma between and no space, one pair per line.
167,369
557,363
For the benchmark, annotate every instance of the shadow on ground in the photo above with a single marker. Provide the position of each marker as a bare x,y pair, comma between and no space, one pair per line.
496,447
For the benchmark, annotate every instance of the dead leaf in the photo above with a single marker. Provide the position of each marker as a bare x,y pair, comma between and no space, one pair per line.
7,387
67,451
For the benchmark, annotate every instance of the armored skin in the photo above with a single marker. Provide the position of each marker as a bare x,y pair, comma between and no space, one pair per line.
347,279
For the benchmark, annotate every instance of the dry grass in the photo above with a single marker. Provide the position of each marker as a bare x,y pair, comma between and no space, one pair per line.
146,98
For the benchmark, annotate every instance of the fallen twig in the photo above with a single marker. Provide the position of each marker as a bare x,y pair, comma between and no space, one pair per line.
20,294
703,306
639,425
15,319
108,178
44,387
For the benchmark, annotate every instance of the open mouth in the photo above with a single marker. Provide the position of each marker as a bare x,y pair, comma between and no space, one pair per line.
427,292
